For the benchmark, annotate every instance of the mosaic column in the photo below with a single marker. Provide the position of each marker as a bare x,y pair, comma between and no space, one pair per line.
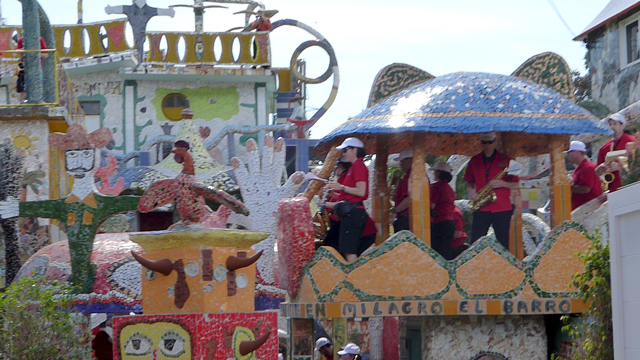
380,193
376,326
559,184
420,208
31,41
516,246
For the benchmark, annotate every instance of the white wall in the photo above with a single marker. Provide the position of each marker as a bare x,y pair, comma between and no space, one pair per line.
624,217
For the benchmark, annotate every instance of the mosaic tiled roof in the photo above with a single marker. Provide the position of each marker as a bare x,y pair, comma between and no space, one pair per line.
452,108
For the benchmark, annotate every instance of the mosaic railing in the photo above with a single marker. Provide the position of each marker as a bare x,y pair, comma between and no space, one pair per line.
64,95
84,40
218,48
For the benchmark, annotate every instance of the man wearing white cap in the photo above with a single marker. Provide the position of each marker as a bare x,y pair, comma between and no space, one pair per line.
349,352
617,122
586,184
401,198
325,348
483,170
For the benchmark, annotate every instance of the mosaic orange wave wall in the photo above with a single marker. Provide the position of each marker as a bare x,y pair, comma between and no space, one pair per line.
404,268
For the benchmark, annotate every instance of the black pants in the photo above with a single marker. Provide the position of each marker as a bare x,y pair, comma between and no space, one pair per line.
351,227
333,235
501,221
401,223
442,236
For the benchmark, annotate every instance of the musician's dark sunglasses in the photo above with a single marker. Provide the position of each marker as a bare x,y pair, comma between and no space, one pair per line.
485,142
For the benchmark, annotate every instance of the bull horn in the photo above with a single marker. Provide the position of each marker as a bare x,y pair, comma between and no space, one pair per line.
235,263
164,266
247,346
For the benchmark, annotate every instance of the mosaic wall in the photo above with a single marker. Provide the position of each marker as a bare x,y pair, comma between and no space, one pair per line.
612,87
486,271
233,103
197,336
29,137
504,337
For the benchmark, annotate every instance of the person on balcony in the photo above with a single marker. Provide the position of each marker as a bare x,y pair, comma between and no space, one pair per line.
20,88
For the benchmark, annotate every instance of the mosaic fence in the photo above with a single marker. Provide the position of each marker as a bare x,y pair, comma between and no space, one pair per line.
485,279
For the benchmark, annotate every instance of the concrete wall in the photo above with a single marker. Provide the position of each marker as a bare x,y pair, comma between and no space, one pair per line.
614,87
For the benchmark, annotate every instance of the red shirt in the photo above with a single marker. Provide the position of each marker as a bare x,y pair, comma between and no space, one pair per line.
443,196
334,195
357,172
458,219
585,174
619,144
480,172
43,45
402,191
262,24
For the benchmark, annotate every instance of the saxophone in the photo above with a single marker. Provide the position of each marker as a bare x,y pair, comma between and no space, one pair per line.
486,194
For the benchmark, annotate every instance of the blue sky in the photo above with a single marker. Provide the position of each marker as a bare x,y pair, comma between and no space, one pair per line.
437,36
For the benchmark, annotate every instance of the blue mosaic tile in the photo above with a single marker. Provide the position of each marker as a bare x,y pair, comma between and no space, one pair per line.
469,103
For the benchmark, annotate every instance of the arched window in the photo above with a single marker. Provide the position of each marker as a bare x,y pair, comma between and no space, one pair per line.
172,106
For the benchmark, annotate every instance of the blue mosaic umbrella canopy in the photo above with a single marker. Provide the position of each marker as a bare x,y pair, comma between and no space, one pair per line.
452,109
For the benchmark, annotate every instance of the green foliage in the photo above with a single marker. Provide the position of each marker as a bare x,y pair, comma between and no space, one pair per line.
594,336
632,174
34,323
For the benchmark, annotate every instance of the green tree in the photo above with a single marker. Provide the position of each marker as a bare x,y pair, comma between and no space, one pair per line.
594,335
35,322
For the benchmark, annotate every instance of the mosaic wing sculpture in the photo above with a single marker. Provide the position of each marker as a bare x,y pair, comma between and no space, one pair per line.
189,195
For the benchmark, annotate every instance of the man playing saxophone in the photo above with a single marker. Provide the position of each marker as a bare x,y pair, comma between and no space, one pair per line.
617,122
485,176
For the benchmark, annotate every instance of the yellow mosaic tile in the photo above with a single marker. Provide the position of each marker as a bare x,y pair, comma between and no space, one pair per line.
553,273
450,307
306,293
527,293
326,276
488,273
452,294
345,295
422,276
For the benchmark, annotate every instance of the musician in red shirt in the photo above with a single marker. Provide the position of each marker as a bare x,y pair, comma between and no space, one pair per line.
401,199
482,170
459,236
617,122
355,227
333,234
586,184
442,198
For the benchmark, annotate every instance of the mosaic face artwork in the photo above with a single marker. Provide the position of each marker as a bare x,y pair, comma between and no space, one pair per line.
260,185
198,271
84,208
241,336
